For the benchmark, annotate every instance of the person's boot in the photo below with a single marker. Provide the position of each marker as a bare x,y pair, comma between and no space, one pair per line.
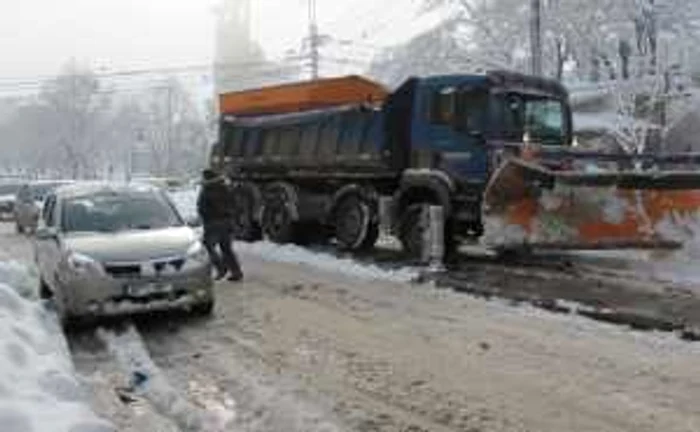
220,274
235,276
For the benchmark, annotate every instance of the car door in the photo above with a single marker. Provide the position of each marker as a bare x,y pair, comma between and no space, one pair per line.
48,248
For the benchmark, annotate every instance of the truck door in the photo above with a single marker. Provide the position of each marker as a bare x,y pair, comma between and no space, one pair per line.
458,130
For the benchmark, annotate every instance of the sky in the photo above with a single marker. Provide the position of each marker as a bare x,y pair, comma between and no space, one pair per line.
38,37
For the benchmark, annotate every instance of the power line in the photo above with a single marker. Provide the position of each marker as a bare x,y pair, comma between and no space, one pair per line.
161,70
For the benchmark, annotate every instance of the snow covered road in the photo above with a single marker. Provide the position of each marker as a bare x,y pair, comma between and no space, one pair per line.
302,346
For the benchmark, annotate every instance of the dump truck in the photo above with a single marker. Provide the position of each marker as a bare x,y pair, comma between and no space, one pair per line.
327,159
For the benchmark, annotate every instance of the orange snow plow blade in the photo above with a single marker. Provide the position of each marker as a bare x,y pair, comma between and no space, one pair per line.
527,205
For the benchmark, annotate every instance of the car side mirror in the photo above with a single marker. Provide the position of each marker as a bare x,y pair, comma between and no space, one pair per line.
46,233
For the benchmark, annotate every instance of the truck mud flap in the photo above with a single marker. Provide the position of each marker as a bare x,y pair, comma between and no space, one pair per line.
528,206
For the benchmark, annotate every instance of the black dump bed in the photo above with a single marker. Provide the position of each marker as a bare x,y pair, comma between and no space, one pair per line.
345,141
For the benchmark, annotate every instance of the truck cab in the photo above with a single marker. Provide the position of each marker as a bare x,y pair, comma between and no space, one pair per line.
455,129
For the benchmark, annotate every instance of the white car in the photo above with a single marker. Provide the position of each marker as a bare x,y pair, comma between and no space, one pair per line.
8,192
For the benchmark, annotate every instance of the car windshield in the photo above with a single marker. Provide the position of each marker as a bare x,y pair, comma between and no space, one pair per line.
118,211
540,117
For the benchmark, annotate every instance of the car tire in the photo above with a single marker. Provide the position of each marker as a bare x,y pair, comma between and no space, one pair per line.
44,291
19,229
203,309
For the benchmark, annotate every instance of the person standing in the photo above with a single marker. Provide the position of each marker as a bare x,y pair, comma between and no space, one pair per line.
215,212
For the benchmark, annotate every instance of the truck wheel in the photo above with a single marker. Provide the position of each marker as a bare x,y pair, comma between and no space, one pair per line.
372,236
245,227
353,223
277,222
411,231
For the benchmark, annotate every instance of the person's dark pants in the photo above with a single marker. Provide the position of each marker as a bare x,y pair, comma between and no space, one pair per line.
220,234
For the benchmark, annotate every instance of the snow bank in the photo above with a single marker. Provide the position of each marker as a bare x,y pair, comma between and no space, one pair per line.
20,278
39,391
326,262
186,203
679,266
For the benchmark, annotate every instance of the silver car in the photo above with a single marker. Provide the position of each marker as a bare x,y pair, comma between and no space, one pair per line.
106,250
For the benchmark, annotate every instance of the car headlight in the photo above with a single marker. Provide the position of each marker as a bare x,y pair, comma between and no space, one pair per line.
197,252
80,263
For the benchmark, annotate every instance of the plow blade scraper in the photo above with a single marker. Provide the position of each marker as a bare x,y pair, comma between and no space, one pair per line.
527,205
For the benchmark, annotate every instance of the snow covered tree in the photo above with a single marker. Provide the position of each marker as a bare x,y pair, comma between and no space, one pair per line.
173,129
70,117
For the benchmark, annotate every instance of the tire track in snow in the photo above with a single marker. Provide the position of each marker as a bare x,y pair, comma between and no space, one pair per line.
149,382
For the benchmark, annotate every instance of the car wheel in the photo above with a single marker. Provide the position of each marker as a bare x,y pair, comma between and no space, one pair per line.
44,291
71,323
19,229
203,309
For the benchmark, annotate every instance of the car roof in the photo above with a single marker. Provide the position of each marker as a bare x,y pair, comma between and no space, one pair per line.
92,188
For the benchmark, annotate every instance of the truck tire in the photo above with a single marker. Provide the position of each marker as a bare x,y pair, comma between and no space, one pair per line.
354,224
372,236
245,227
411,234
277,223
411,231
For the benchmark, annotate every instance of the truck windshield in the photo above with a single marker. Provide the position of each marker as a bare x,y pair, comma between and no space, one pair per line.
541,117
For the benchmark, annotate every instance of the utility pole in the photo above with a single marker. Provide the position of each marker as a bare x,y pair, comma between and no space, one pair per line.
313,39
168,132
536,37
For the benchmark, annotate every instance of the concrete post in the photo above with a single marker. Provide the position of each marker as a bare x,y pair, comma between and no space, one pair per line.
433,220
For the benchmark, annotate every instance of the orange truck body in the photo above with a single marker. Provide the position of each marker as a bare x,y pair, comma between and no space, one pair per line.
302,96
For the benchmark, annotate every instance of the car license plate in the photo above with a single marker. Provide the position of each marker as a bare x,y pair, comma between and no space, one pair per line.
145,290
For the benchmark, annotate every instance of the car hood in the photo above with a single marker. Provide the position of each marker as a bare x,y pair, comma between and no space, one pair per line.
133,246
7,198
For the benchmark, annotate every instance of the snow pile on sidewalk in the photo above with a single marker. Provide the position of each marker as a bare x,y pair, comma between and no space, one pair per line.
38,388
17,276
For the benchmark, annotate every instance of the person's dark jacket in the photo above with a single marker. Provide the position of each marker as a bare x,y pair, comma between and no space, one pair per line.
213,204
